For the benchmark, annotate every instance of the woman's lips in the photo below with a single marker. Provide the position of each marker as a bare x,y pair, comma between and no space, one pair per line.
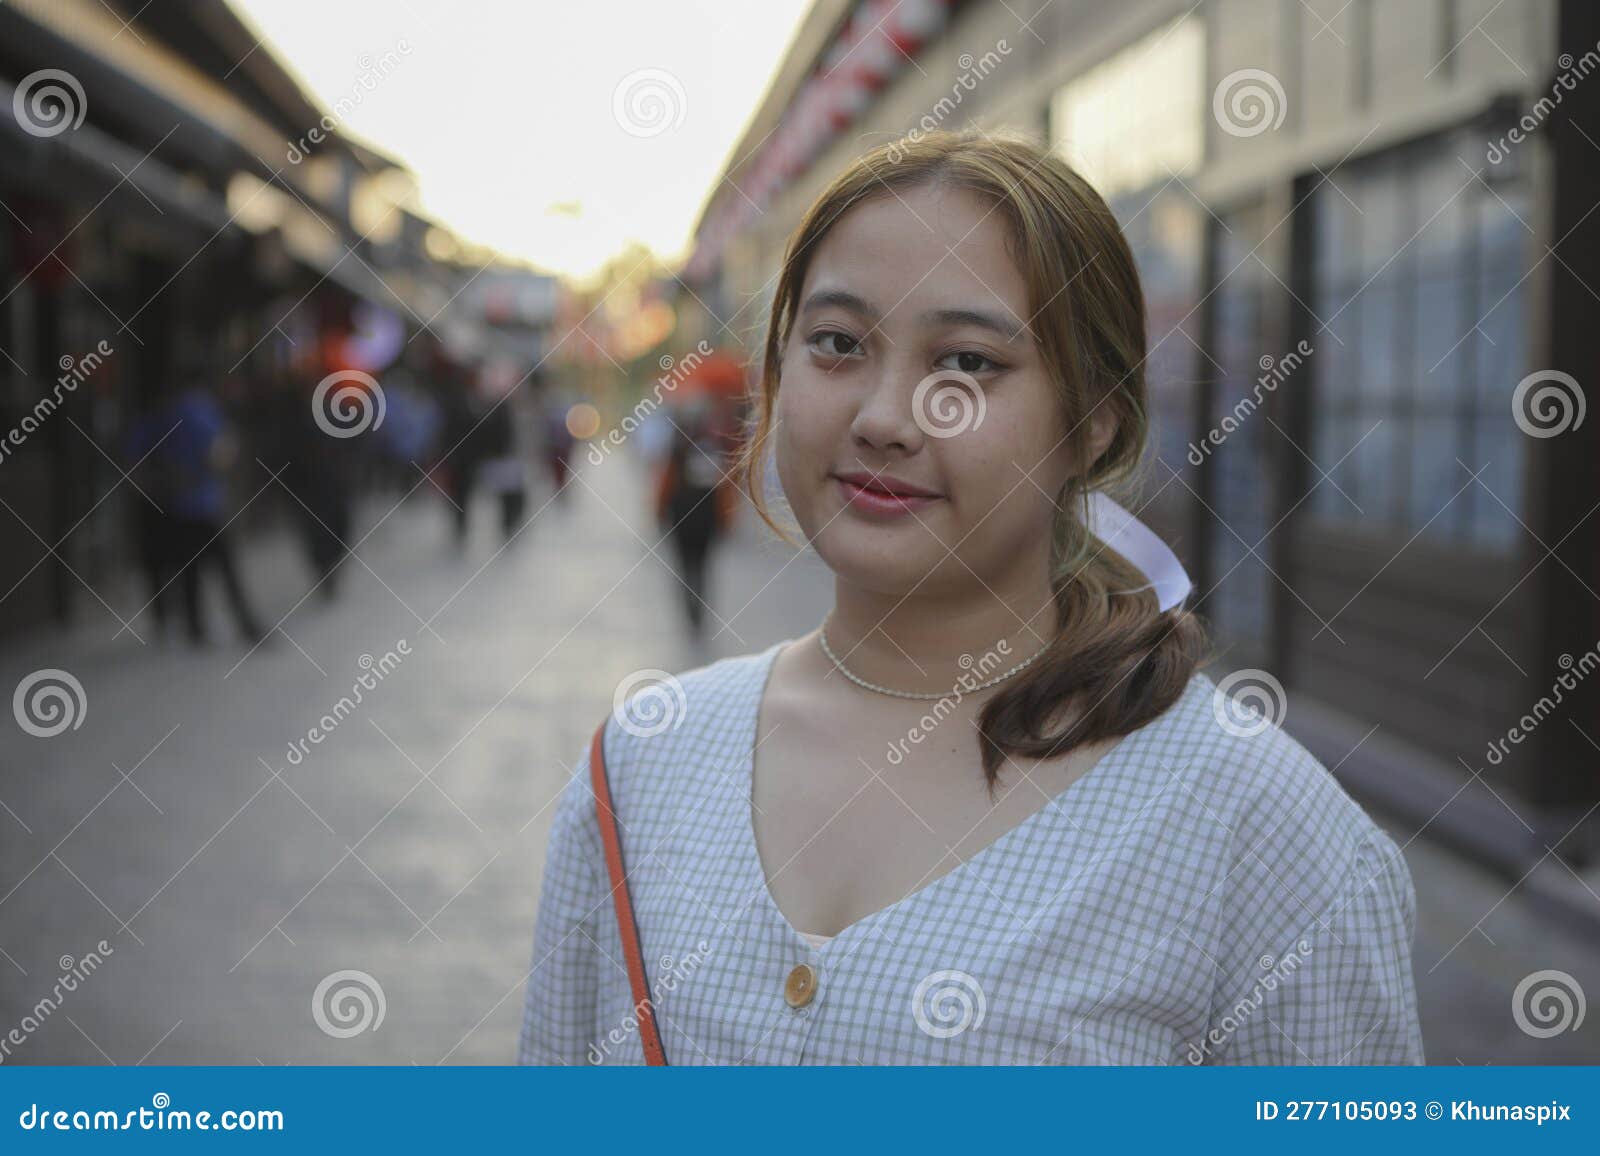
878,504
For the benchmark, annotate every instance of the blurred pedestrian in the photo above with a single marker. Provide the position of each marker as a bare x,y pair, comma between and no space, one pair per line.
155,481
558,442
319,473
483,452
503,471
187,446
694,501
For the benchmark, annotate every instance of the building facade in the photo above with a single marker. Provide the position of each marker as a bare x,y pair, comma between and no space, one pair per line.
1365,236
172,198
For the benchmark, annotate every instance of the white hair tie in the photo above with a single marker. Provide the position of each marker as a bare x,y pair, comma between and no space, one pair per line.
1139,544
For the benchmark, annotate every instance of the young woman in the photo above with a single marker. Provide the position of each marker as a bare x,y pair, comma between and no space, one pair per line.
989,812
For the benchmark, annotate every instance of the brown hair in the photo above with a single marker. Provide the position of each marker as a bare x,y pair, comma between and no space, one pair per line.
1114,650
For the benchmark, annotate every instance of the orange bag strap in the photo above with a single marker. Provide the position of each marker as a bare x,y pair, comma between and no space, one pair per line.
622,902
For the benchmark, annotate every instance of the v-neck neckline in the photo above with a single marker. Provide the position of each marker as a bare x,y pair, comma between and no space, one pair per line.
744,813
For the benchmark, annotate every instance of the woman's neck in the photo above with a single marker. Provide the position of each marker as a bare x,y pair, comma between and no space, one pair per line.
925,643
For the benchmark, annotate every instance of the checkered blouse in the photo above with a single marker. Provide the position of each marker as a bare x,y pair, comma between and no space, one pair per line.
1199,896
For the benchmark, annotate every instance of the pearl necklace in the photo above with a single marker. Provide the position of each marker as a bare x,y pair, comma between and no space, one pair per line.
822,637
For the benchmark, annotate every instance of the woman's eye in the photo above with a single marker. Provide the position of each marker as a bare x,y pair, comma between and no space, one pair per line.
967,361
832,343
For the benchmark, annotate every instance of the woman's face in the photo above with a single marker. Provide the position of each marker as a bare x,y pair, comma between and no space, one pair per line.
918,438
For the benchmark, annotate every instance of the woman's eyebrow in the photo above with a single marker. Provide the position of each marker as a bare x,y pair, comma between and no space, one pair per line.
844,299
996,322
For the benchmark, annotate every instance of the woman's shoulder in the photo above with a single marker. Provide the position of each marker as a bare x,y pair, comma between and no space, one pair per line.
1276,800
664,726
1294,861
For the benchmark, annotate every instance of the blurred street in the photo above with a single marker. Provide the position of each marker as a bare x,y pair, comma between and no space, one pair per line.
408,845
227,893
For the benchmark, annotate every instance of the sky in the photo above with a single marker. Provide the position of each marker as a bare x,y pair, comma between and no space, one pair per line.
554,132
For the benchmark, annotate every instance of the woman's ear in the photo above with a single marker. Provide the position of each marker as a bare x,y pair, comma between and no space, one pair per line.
1103,425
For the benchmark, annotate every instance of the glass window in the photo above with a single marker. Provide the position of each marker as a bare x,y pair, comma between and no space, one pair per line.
1121,131
1492,524
1441,355
1435,329
1242,493
1376,461
1165,231
1333,438
1435,476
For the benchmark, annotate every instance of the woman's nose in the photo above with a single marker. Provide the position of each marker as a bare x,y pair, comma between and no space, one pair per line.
885,420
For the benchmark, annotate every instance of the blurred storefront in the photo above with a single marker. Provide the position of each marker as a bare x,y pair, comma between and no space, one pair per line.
175,200
1354,249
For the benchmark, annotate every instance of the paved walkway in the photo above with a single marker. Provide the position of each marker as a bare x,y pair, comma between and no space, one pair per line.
230,880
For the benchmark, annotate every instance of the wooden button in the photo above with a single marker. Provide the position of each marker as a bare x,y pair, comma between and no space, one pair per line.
801,985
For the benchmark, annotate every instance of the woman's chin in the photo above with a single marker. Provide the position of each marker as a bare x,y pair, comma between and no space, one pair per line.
888,561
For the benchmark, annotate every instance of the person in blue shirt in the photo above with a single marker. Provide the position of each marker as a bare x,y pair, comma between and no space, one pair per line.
184,444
